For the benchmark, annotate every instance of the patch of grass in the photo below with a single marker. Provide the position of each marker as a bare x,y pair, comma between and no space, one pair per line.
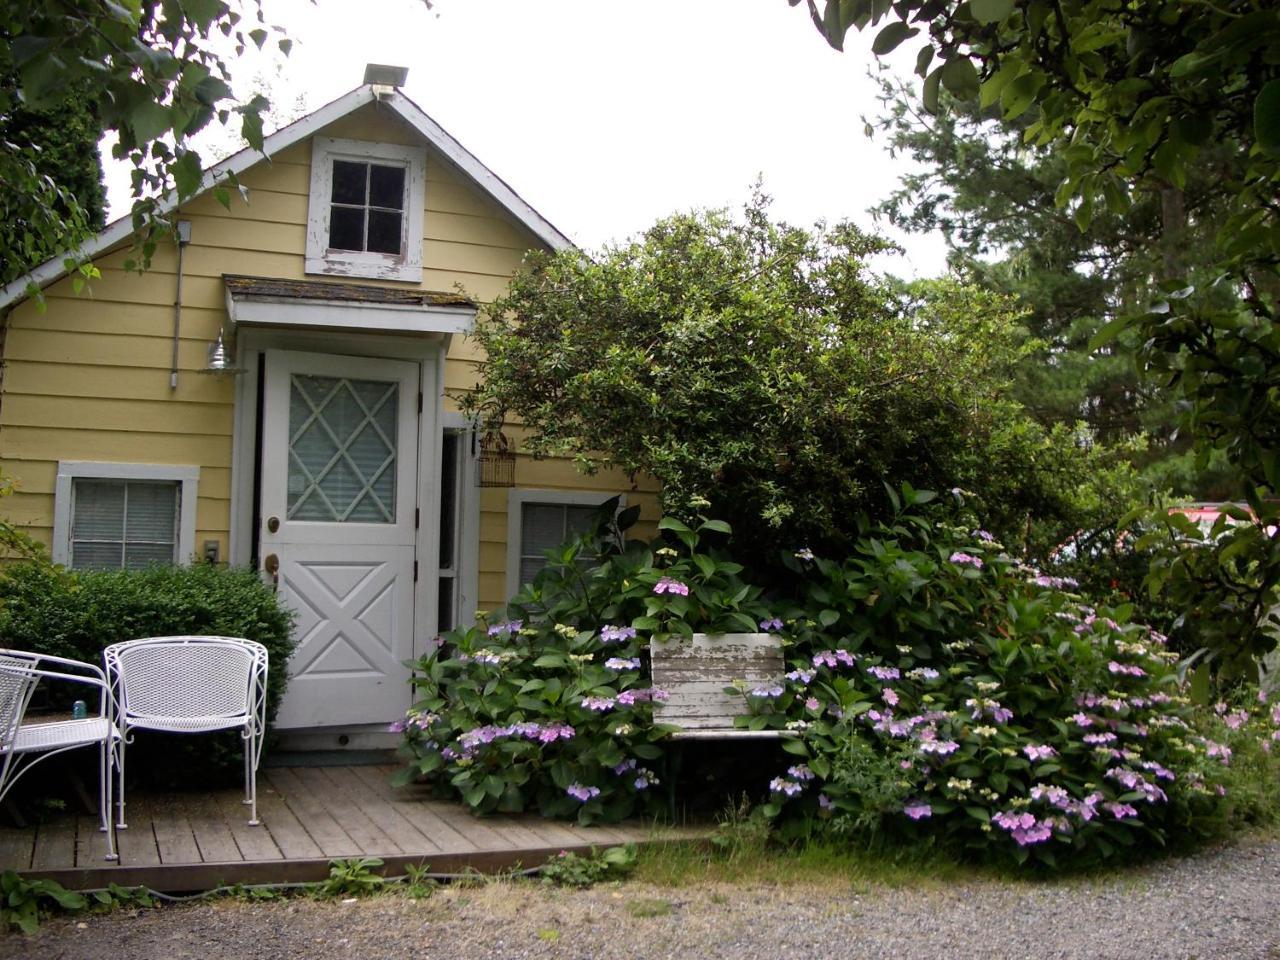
649,907
548,935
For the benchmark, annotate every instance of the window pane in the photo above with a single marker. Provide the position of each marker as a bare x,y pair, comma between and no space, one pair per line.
152,510
349,181
384,232
346,228
99,510
96,556
386,187
342,453
448,497
529,567
578,521
140,555
541,528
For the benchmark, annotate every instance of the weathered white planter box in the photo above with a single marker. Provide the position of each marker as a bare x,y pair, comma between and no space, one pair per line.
695,672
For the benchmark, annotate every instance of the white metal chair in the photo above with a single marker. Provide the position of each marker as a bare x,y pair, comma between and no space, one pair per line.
191,685
23,745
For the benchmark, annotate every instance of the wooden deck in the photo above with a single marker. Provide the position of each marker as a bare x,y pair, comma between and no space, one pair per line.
310,815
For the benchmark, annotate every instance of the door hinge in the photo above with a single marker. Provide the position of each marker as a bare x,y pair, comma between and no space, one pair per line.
417,517
419,401
415,571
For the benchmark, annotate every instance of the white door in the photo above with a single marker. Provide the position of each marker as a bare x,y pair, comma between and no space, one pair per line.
338,499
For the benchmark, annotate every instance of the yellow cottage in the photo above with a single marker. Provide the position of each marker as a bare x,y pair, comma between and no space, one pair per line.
331,455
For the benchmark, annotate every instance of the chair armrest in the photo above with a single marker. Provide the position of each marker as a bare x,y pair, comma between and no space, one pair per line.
39,658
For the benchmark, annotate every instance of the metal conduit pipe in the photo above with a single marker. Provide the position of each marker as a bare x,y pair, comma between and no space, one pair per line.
183,235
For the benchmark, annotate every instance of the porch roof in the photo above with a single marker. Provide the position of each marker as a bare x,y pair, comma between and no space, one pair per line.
322,304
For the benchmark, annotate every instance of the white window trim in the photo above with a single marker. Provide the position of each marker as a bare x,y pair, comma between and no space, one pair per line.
69,470
516,499
351,263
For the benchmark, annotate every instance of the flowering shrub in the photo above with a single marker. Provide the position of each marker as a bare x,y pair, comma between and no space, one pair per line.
552,708
944,688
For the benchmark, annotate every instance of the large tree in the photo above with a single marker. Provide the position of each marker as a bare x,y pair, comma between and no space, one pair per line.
991,196
59,145
765,369
1140,94
159,70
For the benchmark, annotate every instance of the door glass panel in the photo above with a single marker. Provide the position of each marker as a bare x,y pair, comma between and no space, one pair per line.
342,450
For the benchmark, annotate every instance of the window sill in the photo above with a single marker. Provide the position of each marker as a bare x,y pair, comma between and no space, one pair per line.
368,267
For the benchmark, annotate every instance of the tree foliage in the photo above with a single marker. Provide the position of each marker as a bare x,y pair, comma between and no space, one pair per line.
1141,94
59,147
992,198
160,71
766,370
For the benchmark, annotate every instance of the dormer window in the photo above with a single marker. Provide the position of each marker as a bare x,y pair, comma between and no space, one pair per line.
366,209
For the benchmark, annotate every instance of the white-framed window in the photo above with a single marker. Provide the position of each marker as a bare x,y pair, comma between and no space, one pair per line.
540,520
365,211
123,516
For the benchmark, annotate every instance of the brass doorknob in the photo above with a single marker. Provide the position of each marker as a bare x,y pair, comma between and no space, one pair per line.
271,564
273,524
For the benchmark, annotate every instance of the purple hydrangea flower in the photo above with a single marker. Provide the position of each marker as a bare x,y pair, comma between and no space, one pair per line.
812,703
786,787
1035,752
506,626
582,793
804,553
623,663
667,585
884,673
802,677
918,810
966,559
773,623
614,634
890,696
766,692
598,704
800,771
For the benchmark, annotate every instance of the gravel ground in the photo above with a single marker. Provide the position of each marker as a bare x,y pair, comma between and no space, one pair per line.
1222,903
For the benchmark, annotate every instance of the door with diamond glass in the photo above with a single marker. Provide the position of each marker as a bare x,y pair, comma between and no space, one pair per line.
337,504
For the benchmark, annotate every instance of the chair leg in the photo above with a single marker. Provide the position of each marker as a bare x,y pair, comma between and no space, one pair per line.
120,824
251,777
106,771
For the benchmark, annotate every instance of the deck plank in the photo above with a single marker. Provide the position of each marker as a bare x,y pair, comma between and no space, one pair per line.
348,812
319,823
175,838
286,832
55,844
381,810
16,849
420,814
91,850
208,817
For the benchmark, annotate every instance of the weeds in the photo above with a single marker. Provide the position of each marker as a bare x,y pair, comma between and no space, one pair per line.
572,870
352,877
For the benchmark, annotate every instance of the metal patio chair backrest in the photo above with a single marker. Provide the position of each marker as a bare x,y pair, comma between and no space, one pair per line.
184,678
17,684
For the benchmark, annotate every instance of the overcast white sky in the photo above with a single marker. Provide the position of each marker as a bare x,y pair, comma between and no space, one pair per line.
606,115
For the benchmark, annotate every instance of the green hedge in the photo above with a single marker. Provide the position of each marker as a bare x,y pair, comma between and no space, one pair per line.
46,609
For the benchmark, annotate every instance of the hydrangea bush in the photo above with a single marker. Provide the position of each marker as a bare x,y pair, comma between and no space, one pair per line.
550,707
938,690
939,686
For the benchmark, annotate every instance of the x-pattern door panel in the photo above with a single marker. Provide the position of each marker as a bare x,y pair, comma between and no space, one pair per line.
339,460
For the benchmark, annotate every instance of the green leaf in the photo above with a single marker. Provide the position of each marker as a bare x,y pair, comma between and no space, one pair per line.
1266,118
828,617
929,93
892,35
795,746
718,526
671,523
960,77
990,11
1108,332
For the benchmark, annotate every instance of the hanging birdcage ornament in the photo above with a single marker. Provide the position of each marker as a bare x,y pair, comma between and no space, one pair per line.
497,460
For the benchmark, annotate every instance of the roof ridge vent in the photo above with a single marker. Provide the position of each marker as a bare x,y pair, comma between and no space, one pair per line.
384,78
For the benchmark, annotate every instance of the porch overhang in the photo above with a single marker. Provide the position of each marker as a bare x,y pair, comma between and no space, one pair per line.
349,307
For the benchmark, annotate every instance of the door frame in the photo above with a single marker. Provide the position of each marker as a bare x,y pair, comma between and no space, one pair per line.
430,356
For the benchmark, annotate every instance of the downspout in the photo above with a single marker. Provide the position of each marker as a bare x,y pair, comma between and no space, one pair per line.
183,234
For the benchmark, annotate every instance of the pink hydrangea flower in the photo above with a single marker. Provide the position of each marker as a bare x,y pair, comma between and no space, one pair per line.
918,810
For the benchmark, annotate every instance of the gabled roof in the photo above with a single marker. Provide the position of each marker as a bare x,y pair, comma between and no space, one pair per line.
455,153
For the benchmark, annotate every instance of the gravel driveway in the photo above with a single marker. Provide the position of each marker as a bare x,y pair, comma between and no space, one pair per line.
1224,903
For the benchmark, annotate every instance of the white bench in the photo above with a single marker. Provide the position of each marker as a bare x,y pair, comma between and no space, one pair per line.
694,673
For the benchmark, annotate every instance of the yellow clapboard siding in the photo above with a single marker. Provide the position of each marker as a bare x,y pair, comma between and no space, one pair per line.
470,258
279,176
467,228
39,476
149,416
239,233
213,516
269,206
30,443
114,350
154,287
136,383
29,509
198,323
